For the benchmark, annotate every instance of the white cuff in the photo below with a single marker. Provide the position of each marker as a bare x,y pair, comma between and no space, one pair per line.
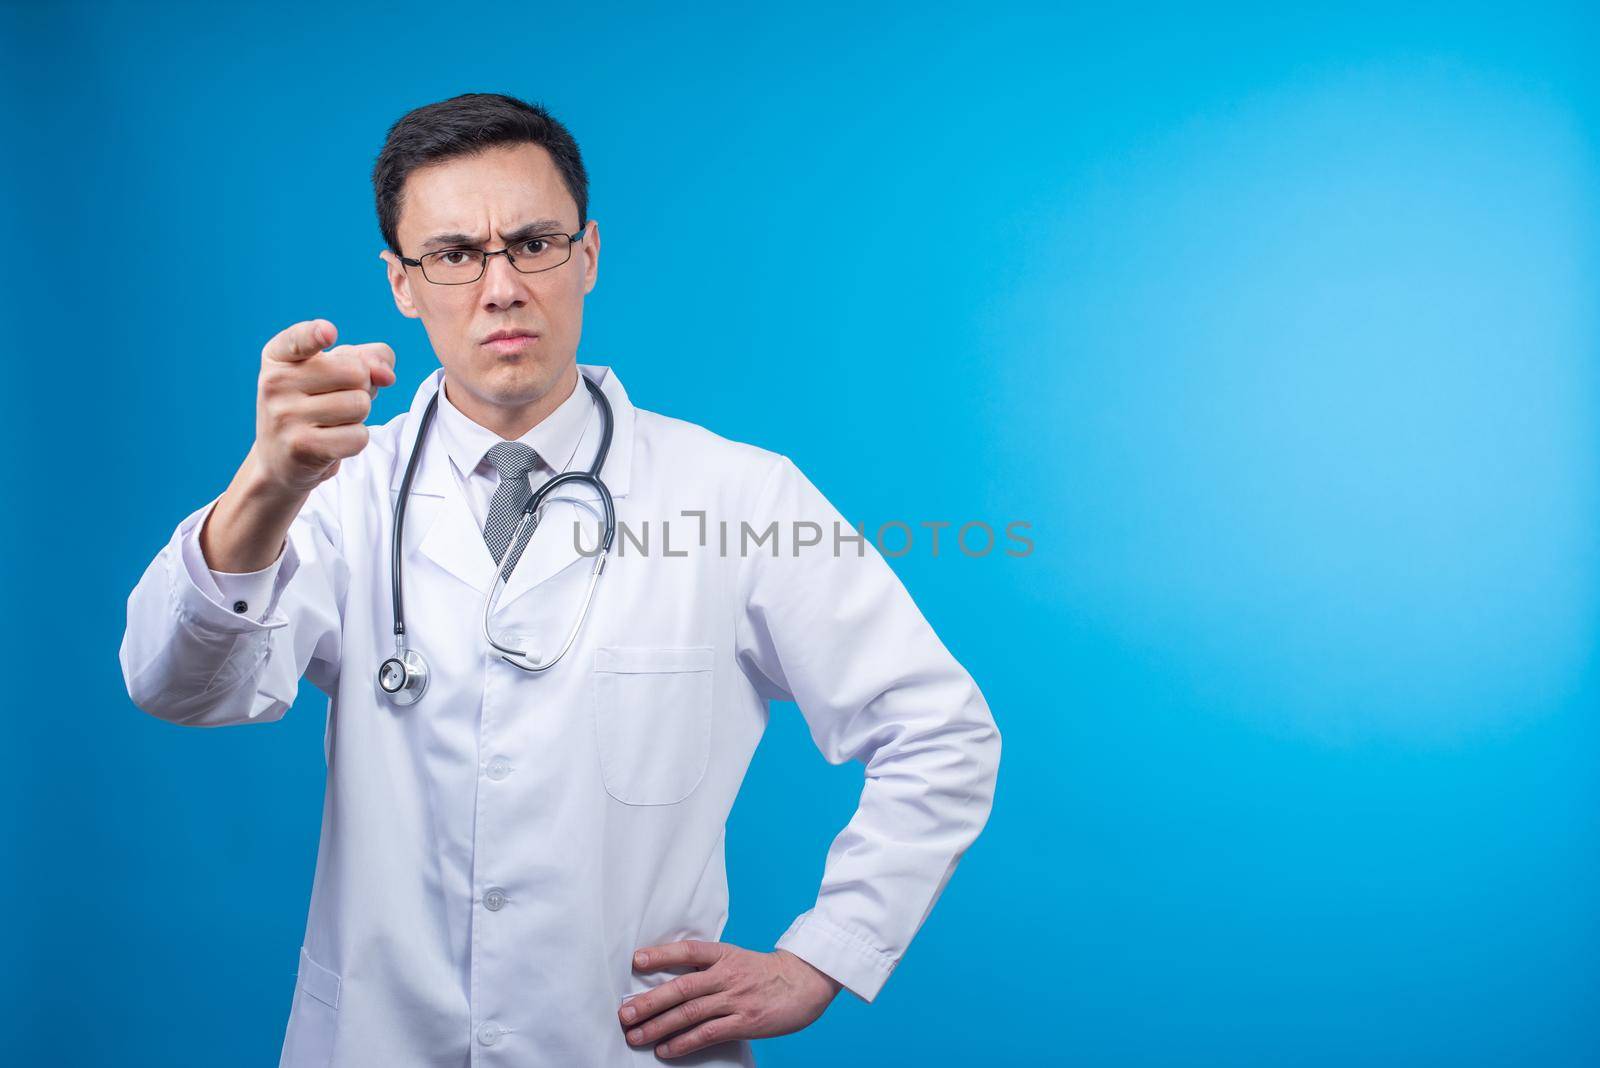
847,957
247,592
210,598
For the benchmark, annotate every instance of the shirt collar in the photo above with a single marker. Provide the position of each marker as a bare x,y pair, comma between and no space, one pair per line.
555,437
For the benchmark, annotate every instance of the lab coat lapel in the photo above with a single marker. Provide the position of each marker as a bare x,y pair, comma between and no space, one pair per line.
455,543
442,520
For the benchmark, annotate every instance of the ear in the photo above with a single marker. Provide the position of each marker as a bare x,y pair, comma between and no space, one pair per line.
591,251
400,283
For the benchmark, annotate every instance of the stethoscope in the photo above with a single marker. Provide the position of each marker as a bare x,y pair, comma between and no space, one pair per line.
404,676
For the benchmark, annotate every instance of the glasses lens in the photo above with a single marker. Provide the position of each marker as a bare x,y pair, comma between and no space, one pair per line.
453,266
541,253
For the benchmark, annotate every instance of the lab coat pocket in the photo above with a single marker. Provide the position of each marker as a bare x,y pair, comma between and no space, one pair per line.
312,1020
652,715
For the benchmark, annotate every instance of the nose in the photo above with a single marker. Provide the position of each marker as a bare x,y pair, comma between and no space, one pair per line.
503,285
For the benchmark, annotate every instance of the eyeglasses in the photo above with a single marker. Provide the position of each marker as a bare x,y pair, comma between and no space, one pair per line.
459,266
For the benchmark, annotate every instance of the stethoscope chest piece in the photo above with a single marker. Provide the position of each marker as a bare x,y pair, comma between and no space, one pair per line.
403,677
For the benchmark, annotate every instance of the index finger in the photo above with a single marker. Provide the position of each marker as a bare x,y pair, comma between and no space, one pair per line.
639,1007
301,341
690,951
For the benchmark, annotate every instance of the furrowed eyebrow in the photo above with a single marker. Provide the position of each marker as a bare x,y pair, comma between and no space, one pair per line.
521,233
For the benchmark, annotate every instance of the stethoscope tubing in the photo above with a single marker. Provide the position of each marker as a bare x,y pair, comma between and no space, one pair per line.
531,513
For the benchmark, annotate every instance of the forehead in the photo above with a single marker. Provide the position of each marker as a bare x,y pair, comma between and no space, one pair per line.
498,187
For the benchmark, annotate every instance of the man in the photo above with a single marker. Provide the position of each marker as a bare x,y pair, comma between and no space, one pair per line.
526,867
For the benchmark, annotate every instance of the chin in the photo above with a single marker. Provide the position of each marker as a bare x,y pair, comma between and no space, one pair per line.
515,379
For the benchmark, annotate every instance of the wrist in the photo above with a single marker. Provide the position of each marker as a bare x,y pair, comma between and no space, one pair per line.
832,984
247,528
256,488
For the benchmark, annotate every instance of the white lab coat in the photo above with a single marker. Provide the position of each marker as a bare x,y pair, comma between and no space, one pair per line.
584,806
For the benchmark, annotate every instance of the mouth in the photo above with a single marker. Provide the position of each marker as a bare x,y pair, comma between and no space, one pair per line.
510,340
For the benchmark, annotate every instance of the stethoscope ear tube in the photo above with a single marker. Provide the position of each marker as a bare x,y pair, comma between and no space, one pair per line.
400,515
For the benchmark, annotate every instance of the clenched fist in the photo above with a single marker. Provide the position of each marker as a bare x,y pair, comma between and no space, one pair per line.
311,404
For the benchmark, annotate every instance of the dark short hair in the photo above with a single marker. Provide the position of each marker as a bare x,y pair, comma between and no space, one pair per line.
462,126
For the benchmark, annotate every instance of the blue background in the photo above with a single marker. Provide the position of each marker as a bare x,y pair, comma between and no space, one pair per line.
1281,331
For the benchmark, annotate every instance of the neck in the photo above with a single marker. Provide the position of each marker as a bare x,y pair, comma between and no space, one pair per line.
512,423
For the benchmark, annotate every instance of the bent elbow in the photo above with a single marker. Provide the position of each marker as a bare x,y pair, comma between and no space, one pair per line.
985,750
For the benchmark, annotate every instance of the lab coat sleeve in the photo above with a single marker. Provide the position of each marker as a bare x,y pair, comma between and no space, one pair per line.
836,631
189,658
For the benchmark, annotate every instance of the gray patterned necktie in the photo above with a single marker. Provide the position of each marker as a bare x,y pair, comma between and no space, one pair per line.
513,460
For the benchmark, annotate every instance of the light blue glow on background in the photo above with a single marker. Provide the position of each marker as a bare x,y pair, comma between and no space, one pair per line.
1280,330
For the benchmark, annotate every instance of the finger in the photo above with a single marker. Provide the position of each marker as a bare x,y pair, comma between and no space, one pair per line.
301,341
354,369
317,446
343,408
690,1014
719,1029
686,952
342,441
386,352
379,359
673,992
338,368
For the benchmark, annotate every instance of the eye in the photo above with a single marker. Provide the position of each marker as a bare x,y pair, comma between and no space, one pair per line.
461,256
533,246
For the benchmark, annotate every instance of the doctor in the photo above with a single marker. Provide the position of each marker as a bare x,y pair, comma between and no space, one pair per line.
526,867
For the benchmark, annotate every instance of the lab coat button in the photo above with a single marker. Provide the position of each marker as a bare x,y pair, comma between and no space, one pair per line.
489,1033
494,899
241,606
499,768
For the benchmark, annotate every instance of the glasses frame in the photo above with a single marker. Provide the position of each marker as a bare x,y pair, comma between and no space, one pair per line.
483,264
